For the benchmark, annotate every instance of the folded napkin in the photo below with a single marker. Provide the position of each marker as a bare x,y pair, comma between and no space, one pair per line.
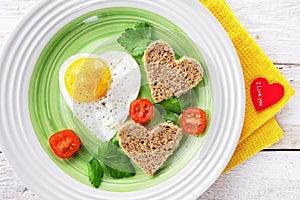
260,128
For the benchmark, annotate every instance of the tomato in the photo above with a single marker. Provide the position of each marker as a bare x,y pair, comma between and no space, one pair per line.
141,110
64,143
193,121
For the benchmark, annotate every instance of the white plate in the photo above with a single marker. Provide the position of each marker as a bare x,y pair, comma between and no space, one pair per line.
36,169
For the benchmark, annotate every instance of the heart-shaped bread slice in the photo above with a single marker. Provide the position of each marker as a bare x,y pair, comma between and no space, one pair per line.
149,148
167,76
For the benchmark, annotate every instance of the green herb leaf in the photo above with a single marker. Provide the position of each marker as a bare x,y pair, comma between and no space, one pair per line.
144,78
139,60
178,105
177,57
189,100
173,117
145,93
116,174
115,140
142,25
135,40
95,172
115,160
172,105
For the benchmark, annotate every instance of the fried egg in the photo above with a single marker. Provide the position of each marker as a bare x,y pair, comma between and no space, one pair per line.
99,89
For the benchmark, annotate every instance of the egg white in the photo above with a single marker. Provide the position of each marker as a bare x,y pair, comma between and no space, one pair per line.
105,116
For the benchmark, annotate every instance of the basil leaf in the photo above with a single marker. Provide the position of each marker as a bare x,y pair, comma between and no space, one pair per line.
173,117
115,140
172,105
95,172
116,161
116,174
145,93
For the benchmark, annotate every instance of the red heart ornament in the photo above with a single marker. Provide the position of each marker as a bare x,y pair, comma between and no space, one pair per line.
265,95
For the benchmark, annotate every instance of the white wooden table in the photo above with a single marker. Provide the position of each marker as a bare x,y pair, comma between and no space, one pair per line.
273,173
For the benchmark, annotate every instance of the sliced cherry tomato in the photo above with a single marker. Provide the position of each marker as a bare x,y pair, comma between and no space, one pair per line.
193,121
141,110
64,143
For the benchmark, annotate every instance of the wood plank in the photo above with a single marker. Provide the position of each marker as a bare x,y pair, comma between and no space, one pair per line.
10,186
15,7
275,25
267,175
289,116
11,11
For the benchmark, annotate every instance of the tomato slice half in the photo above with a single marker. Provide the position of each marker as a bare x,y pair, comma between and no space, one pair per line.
141,110
64,143
193,121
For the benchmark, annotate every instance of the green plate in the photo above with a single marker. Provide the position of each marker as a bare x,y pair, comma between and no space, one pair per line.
96,33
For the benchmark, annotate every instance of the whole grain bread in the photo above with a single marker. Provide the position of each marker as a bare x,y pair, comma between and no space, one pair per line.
149,148
167,76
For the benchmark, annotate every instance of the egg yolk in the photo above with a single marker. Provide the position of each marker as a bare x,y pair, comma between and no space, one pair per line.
87,79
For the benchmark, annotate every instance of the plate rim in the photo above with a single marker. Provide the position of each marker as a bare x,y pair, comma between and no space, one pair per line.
39,6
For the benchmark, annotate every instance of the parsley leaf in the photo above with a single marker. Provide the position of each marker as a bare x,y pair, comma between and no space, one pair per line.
115,160
95,172
135,40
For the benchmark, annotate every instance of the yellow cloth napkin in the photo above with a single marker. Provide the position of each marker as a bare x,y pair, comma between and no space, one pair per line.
260,129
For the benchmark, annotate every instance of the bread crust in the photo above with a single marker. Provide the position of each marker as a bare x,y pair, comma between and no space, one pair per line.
167,76
149,148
